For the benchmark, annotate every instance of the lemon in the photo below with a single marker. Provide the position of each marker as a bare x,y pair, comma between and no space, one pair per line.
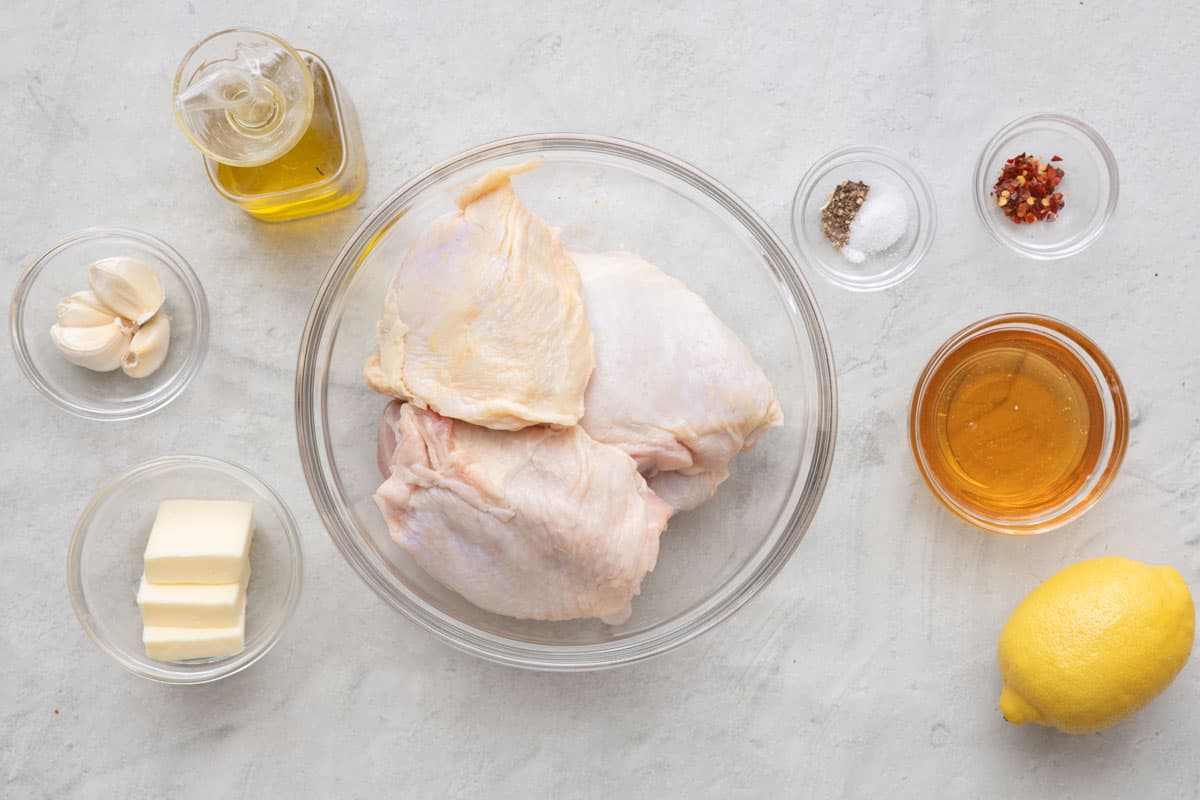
1094,643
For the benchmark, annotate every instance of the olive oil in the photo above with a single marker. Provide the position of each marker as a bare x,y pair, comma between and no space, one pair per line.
1013,423
323,172
279,138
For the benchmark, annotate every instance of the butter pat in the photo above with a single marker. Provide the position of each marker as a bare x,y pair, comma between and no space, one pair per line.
200,541
193,590
191,605
165,643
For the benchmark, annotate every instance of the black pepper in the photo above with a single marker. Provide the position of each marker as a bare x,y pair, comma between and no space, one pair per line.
840,210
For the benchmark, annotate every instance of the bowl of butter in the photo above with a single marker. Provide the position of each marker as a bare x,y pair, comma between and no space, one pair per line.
185,569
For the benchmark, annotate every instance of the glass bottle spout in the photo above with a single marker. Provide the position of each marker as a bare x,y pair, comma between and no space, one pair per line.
243,97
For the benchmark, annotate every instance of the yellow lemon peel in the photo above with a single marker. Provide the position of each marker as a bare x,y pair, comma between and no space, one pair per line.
1094,643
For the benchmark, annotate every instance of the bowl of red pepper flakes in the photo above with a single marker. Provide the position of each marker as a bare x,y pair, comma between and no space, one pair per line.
1046,185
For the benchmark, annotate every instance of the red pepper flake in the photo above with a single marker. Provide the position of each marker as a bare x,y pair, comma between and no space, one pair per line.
1025,190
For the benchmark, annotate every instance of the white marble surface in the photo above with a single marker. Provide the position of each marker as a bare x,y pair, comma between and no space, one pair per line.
867,668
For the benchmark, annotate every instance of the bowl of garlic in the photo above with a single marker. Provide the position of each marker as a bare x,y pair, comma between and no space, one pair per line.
109,324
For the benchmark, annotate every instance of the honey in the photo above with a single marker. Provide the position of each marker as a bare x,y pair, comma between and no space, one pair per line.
1013,422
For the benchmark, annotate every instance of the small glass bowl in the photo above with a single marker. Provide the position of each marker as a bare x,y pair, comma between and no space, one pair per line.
62,271
1112,414
869,165
1090,185
104,563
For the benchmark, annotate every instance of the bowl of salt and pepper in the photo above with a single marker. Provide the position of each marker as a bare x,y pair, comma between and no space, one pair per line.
864,218
1044,187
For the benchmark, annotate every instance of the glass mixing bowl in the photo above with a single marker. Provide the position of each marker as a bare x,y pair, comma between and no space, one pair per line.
605,194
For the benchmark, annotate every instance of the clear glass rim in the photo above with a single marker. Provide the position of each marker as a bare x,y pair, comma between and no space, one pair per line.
926,216
983,185
177,84
169,391
313,437
167,672
1115,414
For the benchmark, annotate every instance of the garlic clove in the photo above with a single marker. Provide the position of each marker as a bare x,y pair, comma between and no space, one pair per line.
127,286
148,349
97,347
83,310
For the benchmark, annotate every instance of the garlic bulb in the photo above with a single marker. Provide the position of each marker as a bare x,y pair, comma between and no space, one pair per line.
127,286
148,349
97,347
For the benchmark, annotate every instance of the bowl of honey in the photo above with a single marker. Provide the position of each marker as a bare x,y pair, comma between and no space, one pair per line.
1019,424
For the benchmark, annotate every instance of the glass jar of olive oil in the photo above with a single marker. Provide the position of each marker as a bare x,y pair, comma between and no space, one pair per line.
280,138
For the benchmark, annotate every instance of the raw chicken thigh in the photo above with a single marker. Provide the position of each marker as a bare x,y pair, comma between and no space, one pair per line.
538,524
496,481
484,321
673,387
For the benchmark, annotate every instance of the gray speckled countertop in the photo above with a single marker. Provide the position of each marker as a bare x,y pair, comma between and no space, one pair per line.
867,668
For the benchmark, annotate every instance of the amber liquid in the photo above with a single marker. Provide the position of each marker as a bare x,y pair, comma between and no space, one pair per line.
1009,431
300,183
